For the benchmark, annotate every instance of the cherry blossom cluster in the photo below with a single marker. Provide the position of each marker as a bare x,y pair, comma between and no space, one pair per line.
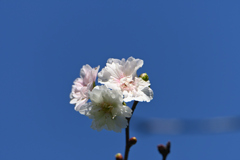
120,84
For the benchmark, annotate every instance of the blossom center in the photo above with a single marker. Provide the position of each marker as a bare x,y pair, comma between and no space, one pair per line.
106,107
127,84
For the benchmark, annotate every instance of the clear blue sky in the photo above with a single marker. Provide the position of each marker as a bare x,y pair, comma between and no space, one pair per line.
191,53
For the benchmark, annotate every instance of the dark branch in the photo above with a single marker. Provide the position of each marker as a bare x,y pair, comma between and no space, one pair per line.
128,145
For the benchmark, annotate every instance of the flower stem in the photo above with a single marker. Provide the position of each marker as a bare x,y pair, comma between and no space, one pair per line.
127,148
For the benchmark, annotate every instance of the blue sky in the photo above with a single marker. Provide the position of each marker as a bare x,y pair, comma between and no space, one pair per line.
191,53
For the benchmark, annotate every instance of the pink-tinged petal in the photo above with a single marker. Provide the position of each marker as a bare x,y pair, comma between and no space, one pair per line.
78,82
95,72
82,86
119,68
110,71
86,74
122,75
80,103
73,101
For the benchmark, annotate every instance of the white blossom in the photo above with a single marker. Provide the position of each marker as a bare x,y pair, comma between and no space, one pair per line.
82,85
122,75
106,109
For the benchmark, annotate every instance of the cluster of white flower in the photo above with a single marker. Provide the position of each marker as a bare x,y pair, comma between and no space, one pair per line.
121,84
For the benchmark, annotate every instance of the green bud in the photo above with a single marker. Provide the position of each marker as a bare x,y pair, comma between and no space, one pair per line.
144,76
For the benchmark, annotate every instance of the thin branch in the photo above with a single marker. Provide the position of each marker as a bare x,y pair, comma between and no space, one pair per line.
127,148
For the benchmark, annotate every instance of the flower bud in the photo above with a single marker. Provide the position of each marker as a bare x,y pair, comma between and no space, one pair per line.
118,156
164,150
124,103
132,141
168,146
144,76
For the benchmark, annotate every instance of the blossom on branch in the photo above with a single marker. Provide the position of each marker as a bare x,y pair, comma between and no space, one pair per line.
122,75
106,109
81,87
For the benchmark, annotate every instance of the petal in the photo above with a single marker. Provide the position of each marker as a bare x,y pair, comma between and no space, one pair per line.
127,112
79,104
141,83
113,60
73,101
85,70
95,72
85,109
148,92
121,121
131,66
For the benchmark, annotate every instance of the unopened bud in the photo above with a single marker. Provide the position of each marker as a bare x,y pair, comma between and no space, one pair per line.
168,145
119,156
161,148
164,150
132,141
124,103
144,76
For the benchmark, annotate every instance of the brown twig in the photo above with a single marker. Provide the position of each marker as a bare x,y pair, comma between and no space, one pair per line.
127,148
